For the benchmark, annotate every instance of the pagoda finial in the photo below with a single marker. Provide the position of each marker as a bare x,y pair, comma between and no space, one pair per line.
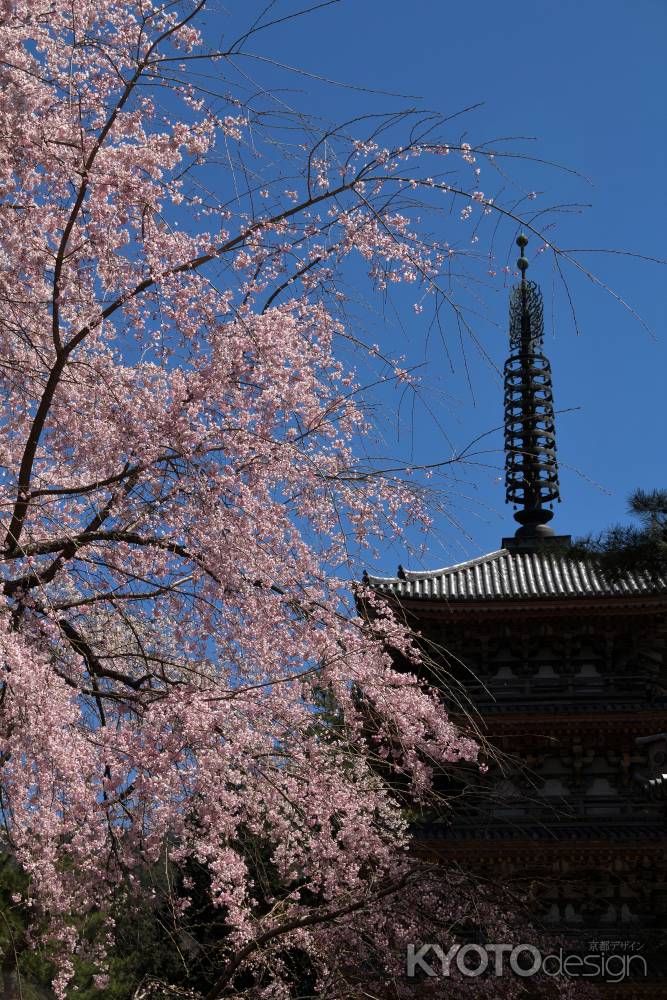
522,263
531,470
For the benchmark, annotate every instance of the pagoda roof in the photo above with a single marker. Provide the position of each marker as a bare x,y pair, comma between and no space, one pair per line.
656,788
607,829
515,574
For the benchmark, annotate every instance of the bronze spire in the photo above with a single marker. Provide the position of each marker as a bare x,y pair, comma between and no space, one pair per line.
531,469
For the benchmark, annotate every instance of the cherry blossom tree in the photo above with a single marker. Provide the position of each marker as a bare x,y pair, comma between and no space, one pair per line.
186,680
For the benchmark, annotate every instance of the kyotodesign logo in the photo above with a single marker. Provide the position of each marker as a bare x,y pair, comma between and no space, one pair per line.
523,960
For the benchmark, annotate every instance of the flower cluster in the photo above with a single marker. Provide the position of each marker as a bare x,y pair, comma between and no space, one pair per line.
183,668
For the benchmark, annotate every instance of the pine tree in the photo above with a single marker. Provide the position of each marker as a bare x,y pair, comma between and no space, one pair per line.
627,548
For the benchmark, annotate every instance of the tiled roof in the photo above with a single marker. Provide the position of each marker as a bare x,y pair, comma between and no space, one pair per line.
581,831
560,704
514,574
656,788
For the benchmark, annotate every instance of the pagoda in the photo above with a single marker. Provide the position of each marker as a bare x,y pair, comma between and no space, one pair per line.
565,673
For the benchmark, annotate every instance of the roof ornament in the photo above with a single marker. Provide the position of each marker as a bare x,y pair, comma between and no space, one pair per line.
531,469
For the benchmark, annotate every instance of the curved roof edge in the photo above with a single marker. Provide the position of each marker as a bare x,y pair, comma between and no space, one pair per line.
509,574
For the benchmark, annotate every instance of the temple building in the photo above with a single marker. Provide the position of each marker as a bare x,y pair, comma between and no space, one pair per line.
565,673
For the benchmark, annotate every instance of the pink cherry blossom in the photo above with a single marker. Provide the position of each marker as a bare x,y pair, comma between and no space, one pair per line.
179,498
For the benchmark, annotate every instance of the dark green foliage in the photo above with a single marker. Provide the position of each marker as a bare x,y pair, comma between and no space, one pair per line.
143,946
624,548
24,973
154,943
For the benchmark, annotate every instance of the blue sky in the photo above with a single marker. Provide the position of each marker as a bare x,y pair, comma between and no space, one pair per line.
588,81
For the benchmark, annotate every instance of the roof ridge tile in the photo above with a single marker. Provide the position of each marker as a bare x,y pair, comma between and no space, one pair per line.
515,574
